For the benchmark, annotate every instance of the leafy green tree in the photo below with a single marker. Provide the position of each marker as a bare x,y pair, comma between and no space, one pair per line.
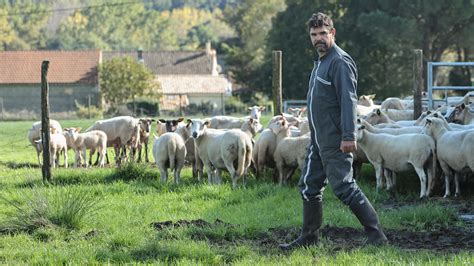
29,21
6,32
252,20
124,79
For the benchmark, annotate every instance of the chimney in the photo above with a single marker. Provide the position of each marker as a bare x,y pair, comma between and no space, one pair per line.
208,48
140,55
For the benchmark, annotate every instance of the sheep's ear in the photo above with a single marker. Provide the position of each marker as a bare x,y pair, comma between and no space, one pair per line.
290,109
152,120
262,108
38,141
180,119
249,108
78,129
251,120
428,121
207,123
359,120
303,109
435,115
371,96
362,127
463,106
162,120
378,112
428,112
189,121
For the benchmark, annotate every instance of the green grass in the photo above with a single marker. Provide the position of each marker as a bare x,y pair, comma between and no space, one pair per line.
106,216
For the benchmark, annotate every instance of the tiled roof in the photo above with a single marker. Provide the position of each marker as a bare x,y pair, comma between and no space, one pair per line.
169,62
24,67
189,84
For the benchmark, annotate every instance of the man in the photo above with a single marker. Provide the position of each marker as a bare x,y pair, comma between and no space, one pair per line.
332,102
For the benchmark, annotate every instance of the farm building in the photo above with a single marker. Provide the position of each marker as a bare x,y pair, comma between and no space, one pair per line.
186,77
72,76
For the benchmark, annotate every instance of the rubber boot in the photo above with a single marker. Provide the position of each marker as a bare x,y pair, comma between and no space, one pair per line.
312,220
367,216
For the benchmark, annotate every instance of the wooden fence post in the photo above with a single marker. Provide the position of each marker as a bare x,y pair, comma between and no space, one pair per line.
277,83
417,82
45,137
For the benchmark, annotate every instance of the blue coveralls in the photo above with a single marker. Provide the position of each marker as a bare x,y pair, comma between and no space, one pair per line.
332,102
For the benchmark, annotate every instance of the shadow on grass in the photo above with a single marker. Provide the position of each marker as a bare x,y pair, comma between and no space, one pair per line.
17,165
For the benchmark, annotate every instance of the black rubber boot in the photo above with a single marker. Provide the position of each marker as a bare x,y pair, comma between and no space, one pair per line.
367,216
312,220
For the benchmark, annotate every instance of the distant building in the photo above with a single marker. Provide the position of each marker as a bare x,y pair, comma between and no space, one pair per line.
186,77
72,76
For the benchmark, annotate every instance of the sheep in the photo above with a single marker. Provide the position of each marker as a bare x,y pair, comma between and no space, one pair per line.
145,127
251,127
34,134
264,149
397,115
222,150
121,131
92,140
463,115
455,150
256,112
391,131
57,144
397,153
290,152
169,150
393,103
366,100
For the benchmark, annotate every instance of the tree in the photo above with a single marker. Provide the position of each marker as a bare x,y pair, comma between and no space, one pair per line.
123,79
252,20
6,32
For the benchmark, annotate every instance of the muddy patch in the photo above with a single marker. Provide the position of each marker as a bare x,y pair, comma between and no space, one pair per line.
444,240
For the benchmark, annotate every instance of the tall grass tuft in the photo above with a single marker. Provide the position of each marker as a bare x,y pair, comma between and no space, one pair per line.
134,171
60,207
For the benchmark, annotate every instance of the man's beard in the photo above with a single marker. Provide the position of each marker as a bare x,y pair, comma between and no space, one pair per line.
321,47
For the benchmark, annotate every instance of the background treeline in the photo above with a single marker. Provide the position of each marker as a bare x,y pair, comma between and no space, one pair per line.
380,35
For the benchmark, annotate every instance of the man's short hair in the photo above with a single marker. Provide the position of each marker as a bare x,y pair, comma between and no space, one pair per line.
318,20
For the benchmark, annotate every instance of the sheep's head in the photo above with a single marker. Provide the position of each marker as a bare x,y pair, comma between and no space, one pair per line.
360,132
171,125
198,127
256,111
253,125
145,124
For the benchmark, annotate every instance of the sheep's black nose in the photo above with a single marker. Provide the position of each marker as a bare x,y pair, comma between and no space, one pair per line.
195,134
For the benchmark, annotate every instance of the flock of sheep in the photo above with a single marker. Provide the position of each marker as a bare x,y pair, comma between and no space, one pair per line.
438,142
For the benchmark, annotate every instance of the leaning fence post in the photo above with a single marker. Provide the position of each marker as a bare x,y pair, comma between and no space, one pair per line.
417,82
45,137
276,83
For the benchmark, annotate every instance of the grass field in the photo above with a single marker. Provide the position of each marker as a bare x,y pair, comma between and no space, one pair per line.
109,215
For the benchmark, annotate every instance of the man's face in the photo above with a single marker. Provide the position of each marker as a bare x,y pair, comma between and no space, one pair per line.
322,38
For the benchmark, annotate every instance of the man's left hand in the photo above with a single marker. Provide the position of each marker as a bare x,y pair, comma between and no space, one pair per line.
348,146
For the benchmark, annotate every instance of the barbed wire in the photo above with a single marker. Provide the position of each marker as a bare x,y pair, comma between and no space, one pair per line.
73,8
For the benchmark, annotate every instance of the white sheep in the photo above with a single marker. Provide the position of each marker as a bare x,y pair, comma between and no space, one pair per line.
393,103
145,127
169,151
121,131
57,144
230,150
34,134
290,152
264,149
92,140
455,150
400,153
